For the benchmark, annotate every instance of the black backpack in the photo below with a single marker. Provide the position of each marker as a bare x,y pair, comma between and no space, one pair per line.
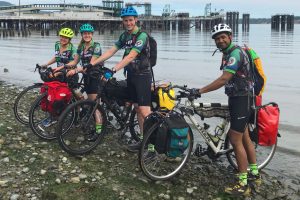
153,48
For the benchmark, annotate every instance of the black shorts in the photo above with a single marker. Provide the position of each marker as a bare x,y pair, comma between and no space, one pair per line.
240,112
139,87
90,85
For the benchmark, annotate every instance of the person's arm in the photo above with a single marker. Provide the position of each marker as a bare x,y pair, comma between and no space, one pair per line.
75,61
108,54
50,62
126,60
216,84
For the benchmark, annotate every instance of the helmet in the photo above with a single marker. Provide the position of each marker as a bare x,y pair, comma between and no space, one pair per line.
86,28
66,32
220,28
128,11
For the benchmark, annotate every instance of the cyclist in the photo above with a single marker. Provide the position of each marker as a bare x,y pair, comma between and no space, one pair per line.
88,50
65,52
238,86
136,64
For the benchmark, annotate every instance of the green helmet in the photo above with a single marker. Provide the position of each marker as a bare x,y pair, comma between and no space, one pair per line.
86,28
66,32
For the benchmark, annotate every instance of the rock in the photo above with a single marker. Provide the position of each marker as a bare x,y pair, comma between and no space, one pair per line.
43,172
75,180
5,70
100,173
25,170
58,181
82,176
14,197
3,183
64,159
189,190
5,160
122,194
180,198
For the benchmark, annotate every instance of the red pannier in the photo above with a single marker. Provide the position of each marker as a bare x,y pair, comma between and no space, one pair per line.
57,98
267,124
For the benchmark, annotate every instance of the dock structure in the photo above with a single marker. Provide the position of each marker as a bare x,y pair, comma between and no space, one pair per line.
232,19
23,19
246,22
282,22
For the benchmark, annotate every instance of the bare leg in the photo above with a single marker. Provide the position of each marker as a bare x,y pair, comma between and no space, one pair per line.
249,147
236,139
142,113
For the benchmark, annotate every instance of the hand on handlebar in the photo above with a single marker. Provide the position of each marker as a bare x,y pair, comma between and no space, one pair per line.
195,92
108,74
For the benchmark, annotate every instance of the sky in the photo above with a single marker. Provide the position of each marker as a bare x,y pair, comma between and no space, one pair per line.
256,8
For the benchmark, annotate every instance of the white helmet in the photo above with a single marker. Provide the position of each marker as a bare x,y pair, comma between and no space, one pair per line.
220,28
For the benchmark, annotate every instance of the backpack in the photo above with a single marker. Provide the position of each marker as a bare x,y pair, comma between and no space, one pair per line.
258,75
57,98
153,48
171,136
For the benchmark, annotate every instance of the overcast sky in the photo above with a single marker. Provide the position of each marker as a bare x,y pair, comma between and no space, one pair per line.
256,8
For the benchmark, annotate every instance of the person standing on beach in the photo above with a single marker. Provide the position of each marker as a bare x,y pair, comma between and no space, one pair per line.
88,51
65,51
235,77
136,64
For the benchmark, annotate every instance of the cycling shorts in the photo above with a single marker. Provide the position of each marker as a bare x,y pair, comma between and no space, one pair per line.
240,112
139,86
90,85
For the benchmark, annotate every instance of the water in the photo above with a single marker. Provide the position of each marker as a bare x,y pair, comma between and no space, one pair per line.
186,58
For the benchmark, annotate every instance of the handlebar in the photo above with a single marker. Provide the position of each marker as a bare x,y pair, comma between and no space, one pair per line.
184,92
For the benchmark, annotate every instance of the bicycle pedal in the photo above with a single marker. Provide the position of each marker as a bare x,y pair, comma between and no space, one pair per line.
200,151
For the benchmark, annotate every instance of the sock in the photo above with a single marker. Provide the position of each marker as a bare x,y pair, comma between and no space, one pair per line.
243,178
253,169
141,136
151,148
98,128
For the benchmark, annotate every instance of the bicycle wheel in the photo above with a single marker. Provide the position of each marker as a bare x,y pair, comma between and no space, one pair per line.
159,166
37,117
76,140
23,102
264,154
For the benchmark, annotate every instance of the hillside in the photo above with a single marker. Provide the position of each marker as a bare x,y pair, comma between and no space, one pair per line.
5,3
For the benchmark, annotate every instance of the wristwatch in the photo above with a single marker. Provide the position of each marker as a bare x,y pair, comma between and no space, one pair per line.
113,70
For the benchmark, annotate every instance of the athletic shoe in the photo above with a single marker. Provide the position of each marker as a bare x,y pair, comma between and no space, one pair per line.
238,189
48,122
134,147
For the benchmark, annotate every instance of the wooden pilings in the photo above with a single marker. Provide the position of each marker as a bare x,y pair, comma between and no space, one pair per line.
282,22
246,22
232,19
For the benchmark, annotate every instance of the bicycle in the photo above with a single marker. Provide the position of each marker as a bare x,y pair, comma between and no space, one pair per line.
75,140
160,167
37,115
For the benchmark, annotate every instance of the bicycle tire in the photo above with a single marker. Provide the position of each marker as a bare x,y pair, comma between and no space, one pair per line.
36,117
264,154
74,140
23,102
160,170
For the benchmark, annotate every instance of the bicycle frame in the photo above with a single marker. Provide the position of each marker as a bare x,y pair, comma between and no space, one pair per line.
188,110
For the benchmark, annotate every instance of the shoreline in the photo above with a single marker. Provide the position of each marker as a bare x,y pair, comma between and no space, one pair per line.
35,169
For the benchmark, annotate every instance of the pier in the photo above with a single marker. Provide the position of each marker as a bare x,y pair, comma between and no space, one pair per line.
282,22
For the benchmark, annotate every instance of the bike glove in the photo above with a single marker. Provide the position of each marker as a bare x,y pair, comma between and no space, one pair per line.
108,74
195,92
